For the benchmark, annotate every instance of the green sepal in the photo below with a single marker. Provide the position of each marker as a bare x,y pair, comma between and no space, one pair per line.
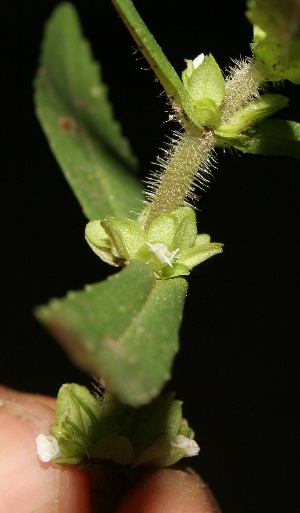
151,260
115,449
178,269
206,86
202,238
160,454
176,230
255,112
194,256
156,429
207,113
77,404
126,237
67,460
99,241
76,411
271,137
204,80
72,443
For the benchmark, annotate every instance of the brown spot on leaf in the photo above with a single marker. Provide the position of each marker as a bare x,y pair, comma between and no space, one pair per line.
67,124
116,346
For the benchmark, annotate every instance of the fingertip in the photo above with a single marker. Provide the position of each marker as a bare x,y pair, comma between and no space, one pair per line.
74,491
26,484
169,491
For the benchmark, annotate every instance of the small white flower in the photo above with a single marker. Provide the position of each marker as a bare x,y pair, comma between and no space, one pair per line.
190,446
47,448
162,252
198,60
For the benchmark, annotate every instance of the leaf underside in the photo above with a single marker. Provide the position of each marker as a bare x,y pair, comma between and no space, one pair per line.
124,329
76,116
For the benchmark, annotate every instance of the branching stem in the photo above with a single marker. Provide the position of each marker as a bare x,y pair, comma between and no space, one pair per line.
188,160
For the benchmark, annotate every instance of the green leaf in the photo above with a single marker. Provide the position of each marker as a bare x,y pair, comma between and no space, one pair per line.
76,116
162,68
124,329
272,137
280,19
276,44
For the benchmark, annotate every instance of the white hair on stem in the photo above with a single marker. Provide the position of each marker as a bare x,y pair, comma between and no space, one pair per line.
186,162
188,158
242,84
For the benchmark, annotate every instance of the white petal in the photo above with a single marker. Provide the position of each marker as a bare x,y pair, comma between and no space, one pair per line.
198,60
47,448
162,252
190,446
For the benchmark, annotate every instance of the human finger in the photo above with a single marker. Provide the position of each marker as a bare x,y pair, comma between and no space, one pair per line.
26,484
172,490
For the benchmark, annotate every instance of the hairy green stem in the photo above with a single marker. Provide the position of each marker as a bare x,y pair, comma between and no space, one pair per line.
190,154
242,85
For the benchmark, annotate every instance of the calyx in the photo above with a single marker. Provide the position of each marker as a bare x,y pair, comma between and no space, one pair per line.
170,246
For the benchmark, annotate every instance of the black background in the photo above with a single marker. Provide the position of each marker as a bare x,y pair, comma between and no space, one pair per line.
237,370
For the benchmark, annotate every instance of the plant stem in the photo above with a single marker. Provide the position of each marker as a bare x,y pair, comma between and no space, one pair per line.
242,85
187,161
182,168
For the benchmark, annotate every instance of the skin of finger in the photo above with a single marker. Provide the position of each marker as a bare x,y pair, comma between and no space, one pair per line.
169,491
33,400
26,484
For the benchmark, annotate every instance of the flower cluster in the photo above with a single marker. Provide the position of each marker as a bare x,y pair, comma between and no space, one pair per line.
206,87
92,429
170,245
